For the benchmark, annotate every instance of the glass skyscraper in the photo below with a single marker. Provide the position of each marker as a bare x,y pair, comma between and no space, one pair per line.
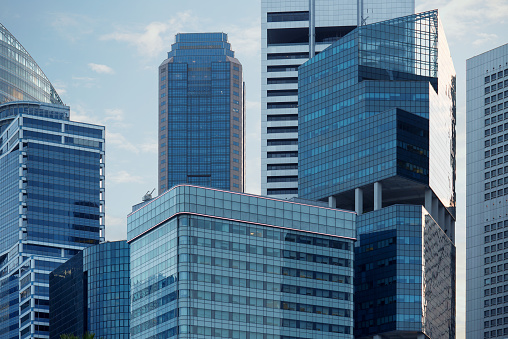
52,190
487,192
207,263
90,293
201,114
376,135
291,32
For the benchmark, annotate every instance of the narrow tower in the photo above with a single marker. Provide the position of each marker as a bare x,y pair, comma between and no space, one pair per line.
201,114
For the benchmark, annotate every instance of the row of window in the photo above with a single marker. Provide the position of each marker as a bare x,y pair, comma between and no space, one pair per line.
495,76
494,312
496,269
268,251
497,258
496,87
495,301
495,290
263,285
495,98
496,129
263,268
494,248
269,233
270,321
495,334
495,108
496,322
496,194
496,183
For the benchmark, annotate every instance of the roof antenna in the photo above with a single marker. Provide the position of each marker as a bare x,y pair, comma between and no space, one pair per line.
148,195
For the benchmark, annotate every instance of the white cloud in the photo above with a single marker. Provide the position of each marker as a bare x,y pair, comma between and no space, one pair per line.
101,69
156,37
70,26
245,39
120,141
149,147
116,228
484,38
466,20
123,177
114,114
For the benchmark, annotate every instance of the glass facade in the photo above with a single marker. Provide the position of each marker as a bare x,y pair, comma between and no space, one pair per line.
379,104
285,45
91,291
487,180
410,286
201,114
376,115
52,186
20,76
217,264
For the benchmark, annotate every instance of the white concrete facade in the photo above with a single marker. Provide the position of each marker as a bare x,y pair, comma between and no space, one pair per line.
487,195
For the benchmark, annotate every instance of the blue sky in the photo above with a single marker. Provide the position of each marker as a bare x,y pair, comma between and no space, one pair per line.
102,57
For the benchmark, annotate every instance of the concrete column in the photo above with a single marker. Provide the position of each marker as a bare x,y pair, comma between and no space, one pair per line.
358,201
441,216
332,202
428,200
378,196
434,212
312,28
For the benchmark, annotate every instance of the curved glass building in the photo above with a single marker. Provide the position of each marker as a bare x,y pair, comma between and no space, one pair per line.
90,293
20,76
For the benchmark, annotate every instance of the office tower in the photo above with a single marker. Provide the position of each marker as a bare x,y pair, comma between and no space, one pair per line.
52,185
90,293
486,201
201,114
377,135
285,44
20,76
211,263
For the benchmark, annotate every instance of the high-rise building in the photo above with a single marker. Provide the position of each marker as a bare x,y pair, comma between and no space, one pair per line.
291,32
487,192
52,184
377,135
207,263
52,190
201,114
90,293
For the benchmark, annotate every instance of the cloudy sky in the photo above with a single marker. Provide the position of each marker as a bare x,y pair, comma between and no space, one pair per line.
102,57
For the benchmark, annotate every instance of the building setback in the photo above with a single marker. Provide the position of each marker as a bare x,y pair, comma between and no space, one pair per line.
212,263
486,203
90,293
201,114
51,185
285,44
376,135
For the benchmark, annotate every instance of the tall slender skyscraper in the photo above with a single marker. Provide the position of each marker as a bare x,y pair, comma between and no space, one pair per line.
201,114
487,195
285,44
52,190
377,135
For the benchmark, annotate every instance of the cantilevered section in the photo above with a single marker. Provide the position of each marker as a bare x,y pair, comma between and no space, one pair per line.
20,76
